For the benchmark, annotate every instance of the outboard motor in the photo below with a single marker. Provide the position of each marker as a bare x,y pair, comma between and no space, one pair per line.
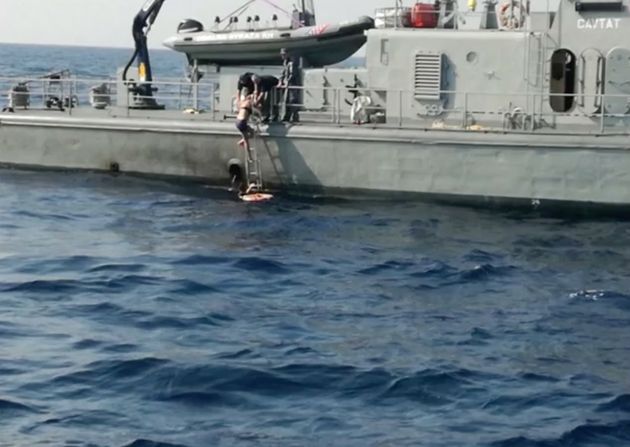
189,26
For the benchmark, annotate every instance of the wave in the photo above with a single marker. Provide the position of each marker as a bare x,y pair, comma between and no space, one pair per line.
620,403
12,330
434,269
485,272
617,300
11,408
202,260
512,405
162,322
117,315
388,266
54,264
7,405
478,337
413,269
68,286
149,443
481,257
257,264
207,398
43,286
220,384
532,377
189,287
616,433
119,348
108,312
115,374
556,241
115,268
43,216
89,418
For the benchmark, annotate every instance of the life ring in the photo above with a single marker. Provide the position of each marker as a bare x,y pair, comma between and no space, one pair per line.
517,17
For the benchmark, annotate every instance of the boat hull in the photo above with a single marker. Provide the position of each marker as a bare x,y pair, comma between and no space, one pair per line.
318,46
449,165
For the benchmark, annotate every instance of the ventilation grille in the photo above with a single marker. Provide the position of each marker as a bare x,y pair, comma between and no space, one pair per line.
428,76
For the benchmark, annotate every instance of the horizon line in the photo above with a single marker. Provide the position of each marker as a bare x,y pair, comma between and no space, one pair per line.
65,45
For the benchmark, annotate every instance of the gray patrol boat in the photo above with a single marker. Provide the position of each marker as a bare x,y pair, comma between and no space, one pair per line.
508,104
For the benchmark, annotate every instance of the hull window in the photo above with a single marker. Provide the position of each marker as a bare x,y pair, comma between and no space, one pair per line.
562,83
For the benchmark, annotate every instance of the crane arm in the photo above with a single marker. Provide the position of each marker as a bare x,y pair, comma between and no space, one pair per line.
141,26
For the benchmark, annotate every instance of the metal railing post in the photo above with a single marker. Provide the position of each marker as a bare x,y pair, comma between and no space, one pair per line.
400,108
603,114
338,105
465,117
195,79
532,122
70,90
212,105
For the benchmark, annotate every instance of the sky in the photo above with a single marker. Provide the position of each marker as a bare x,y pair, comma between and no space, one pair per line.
107,23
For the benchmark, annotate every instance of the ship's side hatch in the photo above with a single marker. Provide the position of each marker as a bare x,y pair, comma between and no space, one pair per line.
591,65
617,81
562,82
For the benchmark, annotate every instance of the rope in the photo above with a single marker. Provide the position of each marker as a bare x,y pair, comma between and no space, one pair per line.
241,9
269,2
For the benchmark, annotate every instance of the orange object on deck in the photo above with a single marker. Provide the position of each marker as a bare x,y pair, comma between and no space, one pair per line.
424,15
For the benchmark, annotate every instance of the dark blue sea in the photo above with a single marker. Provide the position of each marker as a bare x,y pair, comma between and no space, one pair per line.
146,313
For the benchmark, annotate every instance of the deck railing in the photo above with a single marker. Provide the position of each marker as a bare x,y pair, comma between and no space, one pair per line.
69,93
456,110
512,15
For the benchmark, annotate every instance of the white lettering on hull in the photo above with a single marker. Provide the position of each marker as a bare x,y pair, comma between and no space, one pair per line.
602,23
236,36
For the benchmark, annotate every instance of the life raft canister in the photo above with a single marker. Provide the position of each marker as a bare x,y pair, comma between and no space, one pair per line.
424,15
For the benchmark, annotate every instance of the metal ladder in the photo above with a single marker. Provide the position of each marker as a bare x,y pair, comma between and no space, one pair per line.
253,169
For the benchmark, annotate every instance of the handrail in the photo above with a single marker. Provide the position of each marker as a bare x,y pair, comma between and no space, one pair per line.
392,16
520,111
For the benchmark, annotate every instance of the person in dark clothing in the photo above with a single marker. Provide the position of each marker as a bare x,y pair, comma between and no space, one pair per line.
289,80
266,97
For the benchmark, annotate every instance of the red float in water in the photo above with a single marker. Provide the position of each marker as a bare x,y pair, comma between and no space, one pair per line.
256,197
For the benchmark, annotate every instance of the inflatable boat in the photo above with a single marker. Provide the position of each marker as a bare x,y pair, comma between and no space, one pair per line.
318,45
